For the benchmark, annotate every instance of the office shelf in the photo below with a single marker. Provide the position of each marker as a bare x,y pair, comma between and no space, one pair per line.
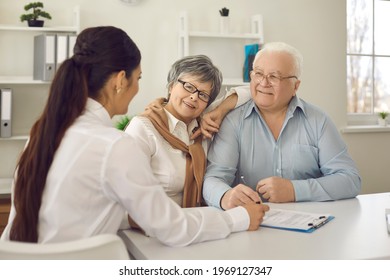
5,186
225,49
224,36
8,27
28,95
15,138
21,80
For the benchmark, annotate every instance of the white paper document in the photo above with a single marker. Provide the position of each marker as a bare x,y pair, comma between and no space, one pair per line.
295,220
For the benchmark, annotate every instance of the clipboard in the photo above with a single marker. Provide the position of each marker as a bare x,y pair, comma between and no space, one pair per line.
295,220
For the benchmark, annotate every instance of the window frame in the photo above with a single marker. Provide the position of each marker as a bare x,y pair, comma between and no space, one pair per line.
355,119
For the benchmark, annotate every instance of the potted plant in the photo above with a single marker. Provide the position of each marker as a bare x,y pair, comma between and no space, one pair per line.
382,118
33,17
123,122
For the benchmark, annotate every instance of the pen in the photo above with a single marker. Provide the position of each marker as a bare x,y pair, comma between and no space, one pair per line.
245,183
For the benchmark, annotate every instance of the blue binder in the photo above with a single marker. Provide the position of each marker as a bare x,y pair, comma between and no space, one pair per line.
250,53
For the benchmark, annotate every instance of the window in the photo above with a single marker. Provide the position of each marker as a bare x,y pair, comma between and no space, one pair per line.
368,60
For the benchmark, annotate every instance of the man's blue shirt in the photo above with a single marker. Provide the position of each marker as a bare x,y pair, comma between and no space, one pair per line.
309,151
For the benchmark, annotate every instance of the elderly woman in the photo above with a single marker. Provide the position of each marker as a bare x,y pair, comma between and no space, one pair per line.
165,132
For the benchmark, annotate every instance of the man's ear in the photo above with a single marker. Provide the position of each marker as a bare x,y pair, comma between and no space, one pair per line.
296,85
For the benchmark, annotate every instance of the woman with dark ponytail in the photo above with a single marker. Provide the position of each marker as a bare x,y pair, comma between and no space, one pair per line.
78,175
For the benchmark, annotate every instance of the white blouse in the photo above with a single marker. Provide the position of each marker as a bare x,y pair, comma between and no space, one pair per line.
98,173
167,163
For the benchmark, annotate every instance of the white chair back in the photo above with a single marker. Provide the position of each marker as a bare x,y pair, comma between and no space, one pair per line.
99,247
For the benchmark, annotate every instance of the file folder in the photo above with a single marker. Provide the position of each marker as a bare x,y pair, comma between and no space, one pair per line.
71,44
61,49
5,106
44,57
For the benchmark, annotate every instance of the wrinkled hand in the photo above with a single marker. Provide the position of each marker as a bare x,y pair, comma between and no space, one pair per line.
209,124
238,196
212,120
256,214
276,189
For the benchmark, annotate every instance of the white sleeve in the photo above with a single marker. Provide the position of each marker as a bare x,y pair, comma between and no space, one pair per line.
130,181
243,95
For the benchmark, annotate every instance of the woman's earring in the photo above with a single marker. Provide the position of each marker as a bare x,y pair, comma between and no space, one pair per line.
118,90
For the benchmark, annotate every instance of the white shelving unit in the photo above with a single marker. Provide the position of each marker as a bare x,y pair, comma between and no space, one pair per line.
28,95
226,50
72,28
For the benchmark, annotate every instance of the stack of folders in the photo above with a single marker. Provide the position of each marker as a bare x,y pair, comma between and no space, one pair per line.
295,220
50,50
5,112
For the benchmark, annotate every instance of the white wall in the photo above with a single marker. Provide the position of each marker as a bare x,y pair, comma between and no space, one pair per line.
316,27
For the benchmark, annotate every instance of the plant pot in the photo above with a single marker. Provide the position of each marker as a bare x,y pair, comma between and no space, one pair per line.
224,25
35,23
382,122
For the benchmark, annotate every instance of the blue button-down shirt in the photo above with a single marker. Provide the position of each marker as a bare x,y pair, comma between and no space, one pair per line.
309,151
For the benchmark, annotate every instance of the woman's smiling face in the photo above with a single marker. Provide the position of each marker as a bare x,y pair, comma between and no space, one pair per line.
184,105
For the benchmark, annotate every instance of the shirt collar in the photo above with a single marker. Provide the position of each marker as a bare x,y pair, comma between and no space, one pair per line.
295,103
97,109
173,122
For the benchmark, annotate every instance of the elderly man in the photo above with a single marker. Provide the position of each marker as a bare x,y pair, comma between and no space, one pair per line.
277,146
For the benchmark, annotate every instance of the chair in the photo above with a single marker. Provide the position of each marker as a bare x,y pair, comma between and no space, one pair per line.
99,247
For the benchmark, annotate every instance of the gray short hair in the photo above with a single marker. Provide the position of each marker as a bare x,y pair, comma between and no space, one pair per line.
199,66
285,48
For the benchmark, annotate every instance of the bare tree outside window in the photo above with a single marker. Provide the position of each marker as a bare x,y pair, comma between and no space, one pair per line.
368,56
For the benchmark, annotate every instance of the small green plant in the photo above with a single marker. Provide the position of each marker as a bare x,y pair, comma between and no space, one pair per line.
224,12
383,115
37,12
123,122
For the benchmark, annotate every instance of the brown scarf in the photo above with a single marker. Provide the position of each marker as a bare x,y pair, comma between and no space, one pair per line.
195,156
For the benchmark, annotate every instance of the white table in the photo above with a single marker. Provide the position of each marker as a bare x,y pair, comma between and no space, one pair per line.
358,232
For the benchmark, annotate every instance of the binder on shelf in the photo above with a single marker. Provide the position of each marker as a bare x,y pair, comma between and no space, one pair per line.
295,220
250,53
61,49
44,57
5,106
71,43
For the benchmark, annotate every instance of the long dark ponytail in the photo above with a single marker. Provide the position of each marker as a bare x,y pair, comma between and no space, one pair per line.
98,53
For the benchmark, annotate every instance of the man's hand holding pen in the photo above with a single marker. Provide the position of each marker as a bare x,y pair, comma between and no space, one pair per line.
274,189
242,195
238,196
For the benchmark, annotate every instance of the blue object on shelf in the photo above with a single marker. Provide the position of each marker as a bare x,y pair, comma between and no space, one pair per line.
250,53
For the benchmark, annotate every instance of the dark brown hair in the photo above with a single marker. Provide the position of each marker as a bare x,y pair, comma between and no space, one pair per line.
98,53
